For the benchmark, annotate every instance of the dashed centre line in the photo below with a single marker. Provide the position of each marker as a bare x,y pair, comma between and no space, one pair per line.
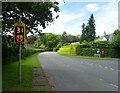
106,67
111,69
114,85
100,79
91,64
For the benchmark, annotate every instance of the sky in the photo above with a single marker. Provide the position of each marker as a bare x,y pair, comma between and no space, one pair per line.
74,13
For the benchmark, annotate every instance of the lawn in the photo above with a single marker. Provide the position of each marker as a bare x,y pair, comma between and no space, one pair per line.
10,80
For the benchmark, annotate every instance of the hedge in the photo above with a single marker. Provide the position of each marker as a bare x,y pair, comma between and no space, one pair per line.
84,51
10,54
113,53
67,50
111,49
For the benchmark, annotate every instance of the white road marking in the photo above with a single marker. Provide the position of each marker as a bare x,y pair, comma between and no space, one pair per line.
106,67
100,79
114,85
111,69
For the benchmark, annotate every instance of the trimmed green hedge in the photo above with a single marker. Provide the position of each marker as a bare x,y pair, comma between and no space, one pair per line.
109,52
12,54
84,51
68,50
111,49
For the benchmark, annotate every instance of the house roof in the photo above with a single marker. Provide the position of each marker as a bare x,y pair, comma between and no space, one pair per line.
108,37
101,39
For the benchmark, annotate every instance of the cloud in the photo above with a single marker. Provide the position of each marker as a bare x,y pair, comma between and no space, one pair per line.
92,7
60,24
107,20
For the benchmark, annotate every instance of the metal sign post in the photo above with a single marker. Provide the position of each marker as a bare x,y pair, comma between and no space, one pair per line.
20,63
20,58
20,38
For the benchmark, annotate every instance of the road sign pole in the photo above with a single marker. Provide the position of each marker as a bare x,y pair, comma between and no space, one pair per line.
20,63
19,37
20,58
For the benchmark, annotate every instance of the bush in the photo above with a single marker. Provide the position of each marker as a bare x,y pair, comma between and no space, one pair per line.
10,54
67,50
57,47
27,52
84,51
112,52
42,46
89,49
111,49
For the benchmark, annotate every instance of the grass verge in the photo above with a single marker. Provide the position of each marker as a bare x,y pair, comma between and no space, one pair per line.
10,76
89,57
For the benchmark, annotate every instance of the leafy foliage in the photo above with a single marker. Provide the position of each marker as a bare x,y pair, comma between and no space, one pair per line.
12,54
57,47
70,49
68,38
89,49
31,13
84,51
88,31
116,38
49,41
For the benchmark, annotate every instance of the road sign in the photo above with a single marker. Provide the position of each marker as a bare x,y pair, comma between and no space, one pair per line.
19,33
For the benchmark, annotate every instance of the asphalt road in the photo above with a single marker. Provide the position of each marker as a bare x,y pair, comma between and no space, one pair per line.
76,74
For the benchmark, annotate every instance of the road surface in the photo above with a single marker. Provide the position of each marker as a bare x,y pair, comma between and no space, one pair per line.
77,74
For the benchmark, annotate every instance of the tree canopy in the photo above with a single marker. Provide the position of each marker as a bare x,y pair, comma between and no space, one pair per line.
68,38
31,13
116,38
47,41
88,31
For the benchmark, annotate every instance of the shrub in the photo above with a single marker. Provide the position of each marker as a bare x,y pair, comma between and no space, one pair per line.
68,50
10,54
57,47
84,51
42,46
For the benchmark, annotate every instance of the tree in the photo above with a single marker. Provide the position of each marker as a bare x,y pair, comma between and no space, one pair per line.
64,37
83,36
91,28
116,42
50,41
31,13
116,38
88,32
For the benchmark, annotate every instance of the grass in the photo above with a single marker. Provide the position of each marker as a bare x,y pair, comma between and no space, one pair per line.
89,57
10,74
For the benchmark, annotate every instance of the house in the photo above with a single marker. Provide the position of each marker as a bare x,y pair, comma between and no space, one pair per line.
109,37
105,37
75,43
